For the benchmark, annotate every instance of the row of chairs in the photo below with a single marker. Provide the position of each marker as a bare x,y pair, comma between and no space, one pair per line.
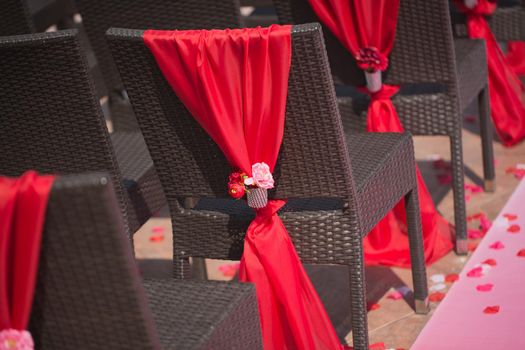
56,127
328,230
440,76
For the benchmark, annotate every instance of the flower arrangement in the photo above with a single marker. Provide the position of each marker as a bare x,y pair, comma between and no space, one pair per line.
371,60
240,183
12,339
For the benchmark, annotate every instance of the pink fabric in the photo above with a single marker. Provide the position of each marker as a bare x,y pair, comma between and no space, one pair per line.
460,321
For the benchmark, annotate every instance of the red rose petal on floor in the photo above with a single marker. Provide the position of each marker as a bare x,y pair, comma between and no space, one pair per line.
519,174
514,229
474,234
229,270
491,309
490,262
377,346
395,295
473,188
475,272
510,217
521,253
510,170
475,216
484,224
436,296
497,245
472,246
156,238
158,229
372,306
487,287
451,278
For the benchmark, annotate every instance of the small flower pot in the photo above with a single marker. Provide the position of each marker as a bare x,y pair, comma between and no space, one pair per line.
373,81
257,198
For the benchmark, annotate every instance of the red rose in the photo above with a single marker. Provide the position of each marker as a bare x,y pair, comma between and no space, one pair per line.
236,190
235,177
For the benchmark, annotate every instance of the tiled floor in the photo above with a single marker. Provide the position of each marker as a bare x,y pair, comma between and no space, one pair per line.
394,321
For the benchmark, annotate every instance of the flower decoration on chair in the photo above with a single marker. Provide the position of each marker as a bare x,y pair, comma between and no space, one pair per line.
371,60
12,339
256,187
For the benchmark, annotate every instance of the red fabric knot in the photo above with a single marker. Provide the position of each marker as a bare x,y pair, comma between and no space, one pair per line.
371,59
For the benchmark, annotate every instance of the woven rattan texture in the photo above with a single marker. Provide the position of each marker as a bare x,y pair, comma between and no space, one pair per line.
138,175
189,164
14,18
54,121
88,293
205,315
99,15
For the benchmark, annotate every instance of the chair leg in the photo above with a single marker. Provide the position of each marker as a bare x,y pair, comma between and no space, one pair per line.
486,132
181,267
458,188
198,269
358,296
417,253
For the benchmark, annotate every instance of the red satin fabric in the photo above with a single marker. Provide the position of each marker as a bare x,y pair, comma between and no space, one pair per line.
387,243
360,24
516,56
507,93
23,204
373,23
235,83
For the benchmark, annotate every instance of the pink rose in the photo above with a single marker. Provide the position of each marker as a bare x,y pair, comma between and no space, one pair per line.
262,177
12,339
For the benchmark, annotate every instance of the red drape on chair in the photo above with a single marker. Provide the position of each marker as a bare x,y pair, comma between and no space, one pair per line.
23,204
516,56
371,24
234,83
507,93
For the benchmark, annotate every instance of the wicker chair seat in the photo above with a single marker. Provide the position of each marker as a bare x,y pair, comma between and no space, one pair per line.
215,314
375,158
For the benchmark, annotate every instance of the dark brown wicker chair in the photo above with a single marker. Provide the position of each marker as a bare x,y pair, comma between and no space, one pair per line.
89,294
439,79
51,122
99,15
343,188
507,22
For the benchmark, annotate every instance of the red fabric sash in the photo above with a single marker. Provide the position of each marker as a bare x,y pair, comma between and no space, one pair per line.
372,23
507,93
516,56
23,204
235,83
